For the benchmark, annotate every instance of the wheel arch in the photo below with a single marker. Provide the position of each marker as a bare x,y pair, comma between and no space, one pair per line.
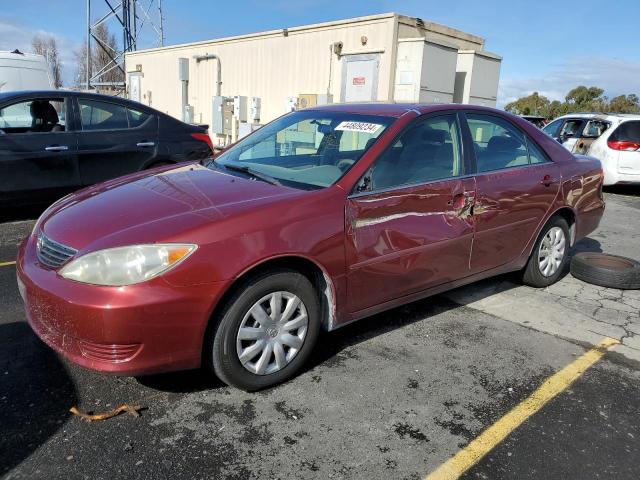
564,212
316,274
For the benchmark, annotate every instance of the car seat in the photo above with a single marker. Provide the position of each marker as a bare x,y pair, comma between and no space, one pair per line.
502,151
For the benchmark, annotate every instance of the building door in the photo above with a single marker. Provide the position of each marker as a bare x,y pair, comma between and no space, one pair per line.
360,78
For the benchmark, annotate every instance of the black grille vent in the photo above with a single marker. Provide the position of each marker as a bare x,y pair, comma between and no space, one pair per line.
53,254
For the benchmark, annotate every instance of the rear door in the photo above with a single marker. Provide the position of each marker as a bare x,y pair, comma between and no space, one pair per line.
114,139
38,149
408,228
625,140
516,184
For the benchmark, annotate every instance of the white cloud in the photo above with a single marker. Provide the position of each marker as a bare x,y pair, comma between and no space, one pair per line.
13,35
615,76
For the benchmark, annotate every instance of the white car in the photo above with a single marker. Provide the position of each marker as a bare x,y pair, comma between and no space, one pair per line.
614,139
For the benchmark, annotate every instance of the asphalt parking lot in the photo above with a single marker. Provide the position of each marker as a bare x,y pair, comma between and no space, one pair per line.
390,397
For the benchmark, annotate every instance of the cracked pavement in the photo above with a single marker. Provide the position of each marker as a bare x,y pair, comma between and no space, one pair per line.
391,396
573,309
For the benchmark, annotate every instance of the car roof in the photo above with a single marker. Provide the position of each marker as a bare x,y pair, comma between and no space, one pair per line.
393,109
70,93
602,116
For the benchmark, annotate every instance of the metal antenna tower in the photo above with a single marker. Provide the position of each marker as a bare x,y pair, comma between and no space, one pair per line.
140,21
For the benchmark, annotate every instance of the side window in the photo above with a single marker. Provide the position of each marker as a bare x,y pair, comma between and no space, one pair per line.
552,128
34,116
497,143
137,118
96,115
535,154
594,128
426,152
571,128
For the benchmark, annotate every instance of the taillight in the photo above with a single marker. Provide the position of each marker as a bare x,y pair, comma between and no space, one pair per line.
204,137
624,145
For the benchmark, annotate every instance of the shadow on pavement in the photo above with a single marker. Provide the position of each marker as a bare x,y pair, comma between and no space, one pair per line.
630,190
36,393
182,382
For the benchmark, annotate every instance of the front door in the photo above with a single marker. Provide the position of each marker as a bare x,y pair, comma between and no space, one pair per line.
516,185
38,150
409,228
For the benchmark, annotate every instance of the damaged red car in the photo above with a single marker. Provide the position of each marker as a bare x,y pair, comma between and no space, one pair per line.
320,218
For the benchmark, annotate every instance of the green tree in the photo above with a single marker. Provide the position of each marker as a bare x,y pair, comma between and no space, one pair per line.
579,99
625,104
534,104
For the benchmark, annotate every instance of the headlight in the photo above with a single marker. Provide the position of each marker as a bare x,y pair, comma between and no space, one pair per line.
126,265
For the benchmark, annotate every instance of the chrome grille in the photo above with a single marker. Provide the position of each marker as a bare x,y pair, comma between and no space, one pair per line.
53,254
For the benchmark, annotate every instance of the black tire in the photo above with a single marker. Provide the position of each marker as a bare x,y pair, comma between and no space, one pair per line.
605,270
531,274
221,345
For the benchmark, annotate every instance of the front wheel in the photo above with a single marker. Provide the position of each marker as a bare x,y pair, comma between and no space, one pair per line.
549,255
266,331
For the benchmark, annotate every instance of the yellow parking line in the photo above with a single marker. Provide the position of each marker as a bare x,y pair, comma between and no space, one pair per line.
6,264
496,433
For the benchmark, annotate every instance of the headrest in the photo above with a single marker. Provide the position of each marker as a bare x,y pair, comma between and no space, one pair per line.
36,109
49,114
503,143
433,136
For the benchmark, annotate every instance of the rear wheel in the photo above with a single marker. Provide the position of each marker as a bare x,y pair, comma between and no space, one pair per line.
549,255
266,331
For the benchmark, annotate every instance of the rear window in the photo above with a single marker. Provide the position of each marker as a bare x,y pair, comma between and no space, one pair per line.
627,132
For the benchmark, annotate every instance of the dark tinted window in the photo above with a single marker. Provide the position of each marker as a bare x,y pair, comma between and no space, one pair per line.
627,132
102,115
426,152
137,118
31,116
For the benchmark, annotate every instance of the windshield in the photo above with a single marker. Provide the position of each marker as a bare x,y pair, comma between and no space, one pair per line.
305,149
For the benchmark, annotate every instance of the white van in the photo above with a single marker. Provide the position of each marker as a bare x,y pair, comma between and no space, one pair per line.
23,71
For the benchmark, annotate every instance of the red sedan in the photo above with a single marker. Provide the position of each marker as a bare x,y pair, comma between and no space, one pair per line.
322,217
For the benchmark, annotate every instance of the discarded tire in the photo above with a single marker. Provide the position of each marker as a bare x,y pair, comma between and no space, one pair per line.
606,270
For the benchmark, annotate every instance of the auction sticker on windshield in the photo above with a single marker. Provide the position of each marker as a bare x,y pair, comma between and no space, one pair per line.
359,127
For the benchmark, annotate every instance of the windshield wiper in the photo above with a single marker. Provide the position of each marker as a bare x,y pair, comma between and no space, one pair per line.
255,174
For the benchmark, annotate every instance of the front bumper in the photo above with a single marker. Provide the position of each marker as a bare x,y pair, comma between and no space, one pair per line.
145,328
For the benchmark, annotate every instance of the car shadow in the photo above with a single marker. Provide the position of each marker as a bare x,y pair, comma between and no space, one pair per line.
629,190
36,393
331,344
189,381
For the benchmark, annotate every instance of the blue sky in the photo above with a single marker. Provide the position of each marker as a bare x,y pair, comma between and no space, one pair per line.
548,46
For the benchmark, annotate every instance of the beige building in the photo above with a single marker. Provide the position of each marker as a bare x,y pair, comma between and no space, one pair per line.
375,58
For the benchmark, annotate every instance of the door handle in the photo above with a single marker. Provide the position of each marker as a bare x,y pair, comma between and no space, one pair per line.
547,180
56,148
146,144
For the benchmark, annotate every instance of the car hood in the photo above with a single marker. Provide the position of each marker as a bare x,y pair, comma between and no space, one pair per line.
153,207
